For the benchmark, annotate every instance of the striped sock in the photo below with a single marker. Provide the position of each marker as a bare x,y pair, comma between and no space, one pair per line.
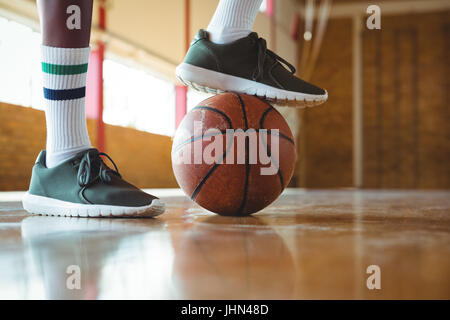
233,20
65,72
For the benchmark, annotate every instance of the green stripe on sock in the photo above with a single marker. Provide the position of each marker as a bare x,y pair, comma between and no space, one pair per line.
59,69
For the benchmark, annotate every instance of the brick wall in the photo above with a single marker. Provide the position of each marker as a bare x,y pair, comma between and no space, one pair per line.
406,110
406,105
325,136
142,158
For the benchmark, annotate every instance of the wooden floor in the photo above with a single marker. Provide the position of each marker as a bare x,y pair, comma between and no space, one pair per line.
307,245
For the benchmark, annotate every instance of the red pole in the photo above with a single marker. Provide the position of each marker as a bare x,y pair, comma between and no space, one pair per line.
99,80
94,87
294,26
180,103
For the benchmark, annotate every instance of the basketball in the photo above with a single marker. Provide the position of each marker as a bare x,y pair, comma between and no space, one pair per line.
233,154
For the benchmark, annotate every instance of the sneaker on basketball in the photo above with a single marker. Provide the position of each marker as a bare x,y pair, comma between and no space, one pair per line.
245,66
85,186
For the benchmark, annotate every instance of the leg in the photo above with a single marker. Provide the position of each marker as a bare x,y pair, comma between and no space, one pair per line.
62,25
70,178
230,57
66,29
233,20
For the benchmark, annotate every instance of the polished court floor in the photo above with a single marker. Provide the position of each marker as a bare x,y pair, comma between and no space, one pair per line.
307,245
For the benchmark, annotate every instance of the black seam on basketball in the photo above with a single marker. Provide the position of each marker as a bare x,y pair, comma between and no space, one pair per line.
280,175
267,103
247,146
261,124
247,151
192,139
200,185
247,173
244,113
210,172
283,136
269,131
263,117
277,165
217,111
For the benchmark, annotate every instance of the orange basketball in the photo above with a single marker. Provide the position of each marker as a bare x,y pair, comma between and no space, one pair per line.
233,154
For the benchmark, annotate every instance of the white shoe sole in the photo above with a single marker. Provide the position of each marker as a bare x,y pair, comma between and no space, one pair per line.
53,207
209,81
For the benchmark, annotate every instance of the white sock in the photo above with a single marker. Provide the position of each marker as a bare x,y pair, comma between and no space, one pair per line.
233,20
65,72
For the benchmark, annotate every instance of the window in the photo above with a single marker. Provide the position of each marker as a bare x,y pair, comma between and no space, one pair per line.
132,97
267,7
135,98
263,7
20,74
194,97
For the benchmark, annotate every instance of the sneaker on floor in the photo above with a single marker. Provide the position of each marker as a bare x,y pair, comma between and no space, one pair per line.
84,186
245,66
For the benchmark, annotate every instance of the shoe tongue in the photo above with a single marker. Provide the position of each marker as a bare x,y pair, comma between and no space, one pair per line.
82,153
253,35
201,34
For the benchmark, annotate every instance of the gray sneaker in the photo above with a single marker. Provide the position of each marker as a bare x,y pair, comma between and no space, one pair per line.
245,66
85,186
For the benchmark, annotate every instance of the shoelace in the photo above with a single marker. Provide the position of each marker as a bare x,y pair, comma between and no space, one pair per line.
262,52
92,167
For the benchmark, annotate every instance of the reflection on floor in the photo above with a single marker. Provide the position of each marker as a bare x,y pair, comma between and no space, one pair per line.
308,244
